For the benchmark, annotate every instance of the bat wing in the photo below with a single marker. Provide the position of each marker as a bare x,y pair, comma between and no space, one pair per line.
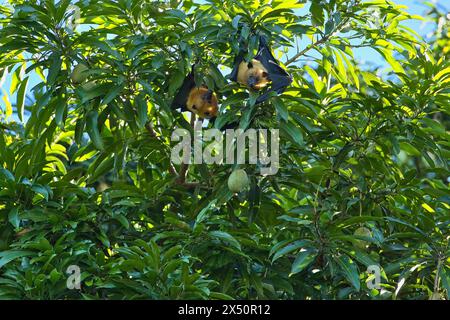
237,61
279,77
279,84
182,95
264,53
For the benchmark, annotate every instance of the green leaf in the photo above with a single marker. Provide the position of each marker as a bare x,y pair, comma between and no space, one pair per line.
91,90
226,237
60,112
142,110
93,130
409,149
220,296
317,14
281,108
123,220
303,259
363,258
445,276
40,190
13,217
105,166
171,267
6,174
41,244
350,270
392,219
55,68
79,129
8,256
434,126
8,105
293,132
176,81
113,93
291,247
21,98
235,21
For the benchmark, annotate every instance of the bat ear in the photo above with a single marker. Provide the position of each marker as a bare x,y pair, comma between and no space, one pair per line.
250,65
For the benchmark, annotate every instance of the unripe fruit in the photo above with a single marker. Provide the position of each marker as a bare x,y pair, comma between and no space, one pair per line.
238,181
79,74
363,232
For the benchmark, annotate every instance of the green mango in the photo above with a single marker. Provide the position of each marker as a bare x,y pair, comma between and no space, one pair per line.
79,74
238,180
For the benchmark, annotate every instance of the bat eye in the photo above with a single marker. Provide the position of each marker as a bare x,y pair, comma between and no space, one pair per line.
207,113
265,74
249,65
194,107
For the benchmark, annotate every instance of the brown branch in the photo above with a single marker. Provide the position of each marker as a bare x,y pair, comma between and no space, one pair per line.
183,173
190,185
324,39
181,176
22,232
309,47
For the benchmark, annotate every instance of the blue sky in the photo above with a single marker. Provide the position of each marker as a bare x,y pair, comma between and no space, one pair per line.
415,7
363,55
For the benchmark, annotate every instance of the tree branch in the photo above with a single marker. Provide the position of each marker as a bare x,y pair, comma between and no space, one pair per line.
309,47
324,39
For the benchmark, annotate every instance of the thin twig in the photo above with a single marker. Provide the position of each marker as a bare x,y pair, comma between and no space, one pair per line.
309,47
324,39
191,185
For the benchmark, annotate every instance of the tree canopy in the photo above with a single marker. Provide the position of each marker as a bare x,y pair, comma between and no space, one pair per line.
86,177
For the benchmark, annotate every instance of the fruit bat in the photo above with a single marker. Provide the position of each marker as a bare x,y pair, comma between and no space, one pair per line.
262,71
196,99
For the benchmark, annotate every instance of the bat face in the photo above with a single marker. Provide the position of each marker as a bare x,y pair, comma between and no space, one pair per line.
202,102
262,71
253,75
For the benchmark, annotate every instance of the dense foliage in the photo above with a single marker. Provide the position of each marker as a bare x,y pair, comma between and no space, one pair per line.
86,178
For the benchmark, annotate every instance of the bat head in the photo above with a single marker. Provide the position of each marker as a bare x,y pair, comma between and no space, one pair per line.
257,75
203,102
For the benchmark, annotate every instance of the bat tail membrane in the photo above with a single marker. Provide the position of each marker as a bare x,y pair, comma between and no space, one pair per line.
237,61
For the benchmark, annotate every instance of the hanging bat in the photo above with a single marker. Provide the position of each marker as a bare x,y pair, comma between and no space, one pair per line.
196,99
263,70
